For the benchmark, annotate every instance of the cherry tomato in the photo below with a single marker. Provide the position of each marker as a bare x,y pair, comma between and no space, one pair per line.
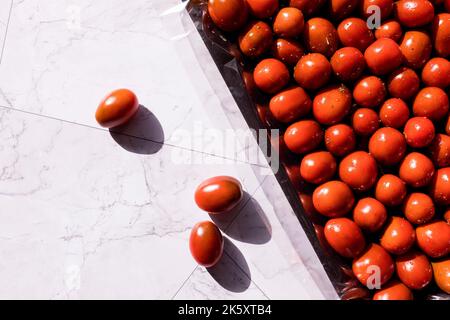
359,170
320,36
390,29
218,194
436,73
398,236
386,7
440,150
255,39
312,71
418,208
332,104
333,199
394,113
431,102
339,9
228,15
369,214
303,136
414,270
374,256
441,271
308,7
434,238
447,215
287,51
447,5
383,56
348,64
387,146
365,121
206,243
289,23
403,83
345,237
419,132
369,92
271,75
318,167
416,170
440,186
390,190
416,49
441,34
340,139
354,32
262,8
414,13
290,105
447,126
394,290
117,108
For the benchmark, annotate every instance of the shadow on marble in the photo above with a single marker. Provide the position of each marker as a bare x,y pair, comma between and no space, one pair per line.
143,134
224,220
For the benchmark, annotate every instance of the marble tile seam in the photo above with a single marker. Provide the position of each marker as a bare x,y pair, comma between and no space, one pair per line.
3,45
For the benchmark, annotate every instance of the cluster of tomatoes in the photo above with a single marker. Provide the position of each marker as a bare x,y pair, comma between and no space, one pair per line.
365,119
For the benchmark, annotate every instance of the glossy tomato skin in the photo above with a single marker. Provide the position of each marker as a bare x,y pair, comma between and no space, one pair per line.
394,113
414,13
369,92
340,9
289,23
318,167
345,237
441,34
348,64
206,244
414,270
416,49
394,290
441,271
271,75
440,186
308,7
447,216
365,121
447,126
390,190
419,132
434,238
416,170
332,104
218,194
390,29
312,71
333,199
418,208
383,56
436,73
228,15
320,36
359,170
303,136
290,105
354,32
369,214
256,39
374,256
403,83
398,236
440,150
431,102
340,139
287,51
386,7
117,108
262,9
387,146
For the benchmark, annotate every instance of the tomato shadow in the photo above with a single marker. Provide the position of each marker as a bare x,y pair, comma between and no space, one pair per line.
231,272
143,134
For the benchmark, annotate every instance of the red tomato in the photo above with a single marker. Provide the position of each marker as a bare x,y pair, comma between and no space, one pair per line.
228,15
386,7
332,104
447,215
369,92
440,186
312,71
369,214
418,208
419,132
340,139
117,108
262,8
394,290
348,64
414,270
390,190
354,32
345,237
440,150
436,73
431,102
303,136
206,243
333,199
320,36
441,270
390,29
383,56
289,23
290,105
218,194
414,13
365,121
308,7
374,267
398,236
255,39
359,170
318,167
447,126
441,34
271,75
416,170
340,9
287,51
394,113
387,146
403,83
434,238
416,48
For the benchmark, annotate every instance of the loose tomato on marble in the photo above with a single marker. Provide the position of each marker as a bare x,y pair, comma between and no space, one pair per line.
394,113
441,34
206,244
332,104
369,92
390,190
436,73
370,214
262,8
218,194
228,15
290,105
414,13
303,136
398,236
394,290
117,108
418,208
354,32
414,270
403,83
387,146
288,51
441,271
348,64
339,9
320,36
419,132
434,238
416,49
318,167
256,39
345,237
390,29
359,170
386,7
308,7
333,199
440,150
313,71
271,75
440,186
431,102
416,170
289,23
365,121
383,56
340,139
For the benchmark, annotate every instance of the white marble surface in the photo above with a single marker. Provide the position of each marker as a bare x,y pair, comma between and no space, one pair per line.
93,214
